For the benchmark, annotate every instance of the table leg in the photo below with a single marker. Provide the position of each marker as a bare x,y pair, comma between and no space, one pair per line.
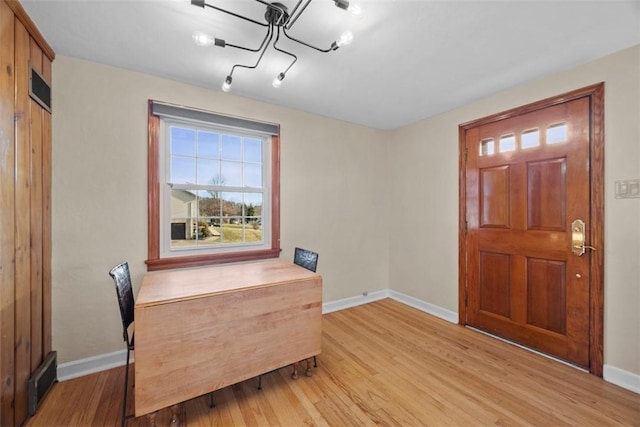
294,375
175,417
152,418
309,371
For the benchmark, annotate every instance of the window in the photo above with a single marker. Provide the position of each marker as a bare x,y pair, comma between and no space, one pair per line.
213,188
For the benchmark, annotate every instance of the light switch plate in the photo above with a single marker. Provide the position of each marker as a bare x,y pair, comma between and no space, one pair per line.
628,189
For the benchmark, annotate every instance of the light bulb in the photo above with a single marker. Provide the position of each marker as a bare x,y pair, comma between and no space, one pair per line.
226,86
277,80
355,9
345,39
202,39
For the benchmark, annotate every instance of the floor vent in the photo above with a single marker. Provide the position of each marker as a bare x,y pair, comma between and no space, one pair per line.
42,380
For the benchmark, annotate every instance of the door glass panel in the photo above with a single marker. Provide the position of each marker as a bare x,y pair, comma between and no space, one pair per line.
557,133
487,147
530,138
507,143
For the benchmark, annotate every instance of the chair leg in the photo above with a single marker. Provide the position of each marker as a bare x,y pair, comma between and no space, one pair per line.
126,387
259,382
315,362
212,404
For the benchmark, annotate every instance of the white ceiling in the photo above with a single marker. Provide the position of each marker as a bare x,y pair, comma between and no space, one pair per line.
409,60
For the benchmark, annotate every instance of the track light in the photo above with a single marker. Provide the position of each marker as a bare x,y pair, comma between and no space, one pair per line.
226,86
277,18
344,40
277,81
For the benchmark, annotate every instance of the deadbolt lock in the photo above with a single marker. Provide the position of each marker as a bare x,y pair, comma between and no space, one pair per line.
578,245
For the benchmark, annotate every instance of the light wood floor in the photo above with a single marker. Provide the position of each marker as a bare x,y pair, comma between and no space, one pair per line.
382,364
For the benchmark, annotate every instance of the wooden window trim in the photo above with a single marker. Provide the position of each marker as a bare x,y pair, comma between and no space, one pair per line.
154,261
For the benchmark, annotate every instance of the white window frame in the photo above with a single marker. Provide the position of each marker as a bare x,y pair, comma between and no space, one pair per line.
165,190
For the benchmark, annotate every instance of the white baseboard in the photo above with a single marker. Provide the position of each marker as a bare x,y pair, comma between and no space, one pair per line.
622,378
330,307
102,362
91,365
442,313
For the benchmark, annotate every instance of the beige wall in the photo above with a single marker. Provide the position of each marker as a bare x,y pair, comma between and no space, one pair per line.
424,197
333,194
380,207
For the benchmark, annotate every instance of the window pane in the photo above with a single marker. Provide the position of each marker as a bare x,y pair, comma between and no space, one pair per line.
252,150
253,203
231,174
252,231
183,170
557,133
252,175
231,147
208,171
486,147
183,141
209,204
208,145
530,138
507,143
183,204
231,204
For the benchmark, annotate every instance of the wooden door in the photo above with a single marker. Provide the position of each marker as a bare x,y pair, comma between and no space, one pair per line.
527,183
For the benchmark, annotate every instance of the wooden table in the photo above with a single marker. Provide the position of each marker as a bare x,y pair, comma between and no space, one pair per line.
203,329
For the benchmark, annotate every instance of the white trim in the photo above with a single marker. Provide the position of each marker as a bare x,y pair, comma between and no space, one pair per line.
91,365
442,313
330,307
66,371
622,378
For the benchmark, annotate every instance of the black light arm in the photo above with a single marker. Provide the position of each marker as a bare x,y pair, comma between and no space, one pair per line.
295,17
270,37
264,41
295,58
202,3
284,30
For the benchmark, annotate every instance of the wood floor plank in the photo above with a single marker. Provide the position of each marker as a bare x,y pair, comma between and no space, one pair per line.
382,364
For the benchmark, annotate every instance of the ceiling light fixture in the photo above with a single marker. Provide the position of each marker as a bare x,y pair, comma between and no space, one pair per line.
277,18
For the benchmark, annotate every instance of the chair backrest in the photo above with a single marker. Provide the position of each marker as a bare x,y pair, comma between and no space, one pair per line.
306,259
122,279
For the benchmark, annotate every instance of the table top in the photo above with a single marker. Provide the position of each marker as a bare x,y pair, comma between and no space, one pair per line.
161,287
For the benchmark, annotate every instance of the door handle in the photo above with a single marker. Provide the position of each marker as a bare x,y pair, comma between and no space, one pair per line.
578,246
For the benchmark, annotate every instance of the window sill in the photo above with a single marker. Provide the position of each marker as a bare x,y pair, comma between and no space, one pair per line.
211,259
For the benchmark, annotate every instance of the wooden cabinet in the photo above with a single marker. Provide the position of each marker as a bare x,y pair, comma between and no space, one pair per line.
25,210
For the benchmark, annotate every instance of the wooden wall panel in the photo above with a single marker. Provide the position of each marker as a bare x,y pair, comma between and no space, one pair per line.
25,212
7,166
36,192
47,162
47,169
22,222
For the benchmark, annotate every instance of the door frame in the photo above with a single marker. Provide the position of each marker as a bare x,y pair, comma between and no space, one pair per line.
595,93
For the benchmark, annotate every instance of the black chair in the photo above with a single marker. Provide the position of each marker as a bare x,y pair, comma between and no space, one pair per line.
305,258
122,279
309,260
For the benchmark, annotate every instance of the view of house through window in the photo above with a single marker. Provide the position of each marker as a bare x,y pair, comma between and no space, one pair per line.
215,190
